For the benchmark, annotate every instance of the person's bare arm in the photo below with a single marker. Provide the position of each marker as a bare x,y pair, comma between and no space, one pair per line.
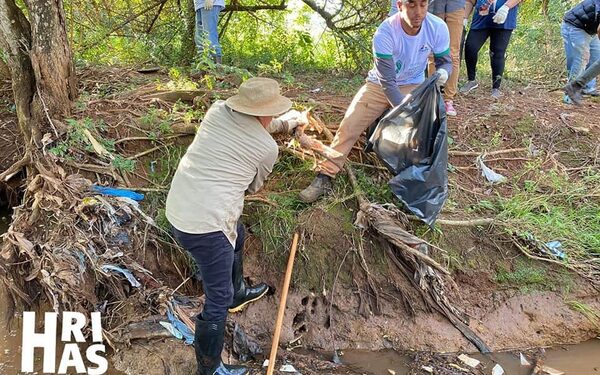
512,3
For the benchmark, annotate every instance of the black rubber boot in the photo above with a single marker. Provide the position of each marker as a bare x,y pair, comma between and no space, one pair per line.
208,343
319,186
242,293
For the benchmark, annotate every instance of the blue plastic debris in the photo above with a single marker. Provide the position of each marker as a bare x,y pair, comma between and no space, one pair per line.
556,249
125,272
186,332
116,192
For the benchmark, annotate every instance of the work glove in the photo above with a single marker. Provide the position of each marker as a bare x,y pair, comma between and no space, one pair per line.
208,4
443,77
292,119
501,14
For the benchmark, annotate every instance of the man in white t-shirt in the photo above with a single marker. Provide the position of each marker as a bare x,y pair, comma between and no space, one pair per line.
401,46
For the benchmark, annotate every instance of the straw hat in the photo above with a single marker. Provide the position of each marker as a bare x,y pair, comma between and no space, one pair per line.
259,97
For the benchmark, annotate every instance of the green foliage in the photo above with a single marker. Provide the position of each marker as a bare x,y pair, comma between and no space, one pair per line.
76,139
524,275
123,164
550,206
586,310
376,191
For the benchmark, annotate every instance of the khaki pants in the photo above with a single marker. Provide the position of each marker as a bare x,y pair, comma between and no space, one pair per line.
454,20
368,104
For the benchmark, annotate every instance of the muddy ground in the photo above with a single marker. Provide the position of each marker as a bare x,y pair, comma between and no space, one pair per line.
506,317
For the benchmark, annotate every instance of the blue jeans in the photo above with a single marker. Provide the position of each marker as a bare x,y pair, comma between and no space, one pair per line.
213,254
206,29
578,45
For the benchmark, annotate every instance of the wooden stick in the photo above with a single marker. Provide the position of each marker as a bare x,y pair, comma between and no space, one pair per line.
487,153
281,311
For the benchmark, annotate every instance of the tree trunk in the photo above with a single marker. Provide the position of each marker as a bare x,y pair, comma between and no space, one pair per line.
15,39
52,62
41,66
188,47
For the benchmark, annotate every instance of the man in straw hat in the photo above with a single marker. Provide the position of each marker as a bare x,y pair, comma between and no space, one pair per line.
232,153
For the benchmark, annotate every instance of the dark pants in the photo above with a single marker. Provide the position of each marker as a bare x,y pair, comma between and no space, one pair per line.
499,39
214,254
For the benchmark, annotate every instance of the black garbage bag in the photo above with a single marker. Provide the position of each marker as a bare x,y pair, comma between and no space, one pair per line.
412,142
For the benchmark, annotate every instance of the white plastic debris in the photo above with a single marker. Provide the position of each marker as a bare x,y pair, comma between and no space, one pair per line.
266,363
488,173
497,370
392,372
524,361
427,369
288,368
472,362
551,371
172,330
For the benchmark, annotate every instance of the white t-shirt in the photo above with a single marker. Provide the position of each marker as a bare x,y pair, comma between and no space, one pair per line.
410,52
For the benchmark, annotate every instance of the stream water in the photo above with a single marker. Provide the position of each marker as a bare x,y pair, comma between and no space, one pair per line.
580,359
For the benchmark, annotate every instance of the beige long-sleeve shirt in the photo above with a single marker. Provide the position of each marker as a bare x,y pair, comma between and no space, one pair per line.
232,153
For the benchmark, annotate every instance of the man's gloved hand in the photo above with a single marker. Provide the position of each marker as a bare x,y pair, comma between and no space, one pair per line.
501,14
292,119
208,4
443,77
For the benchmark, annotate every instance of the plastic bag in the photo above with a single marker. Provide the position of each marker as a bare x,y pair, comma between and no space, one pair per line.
412,142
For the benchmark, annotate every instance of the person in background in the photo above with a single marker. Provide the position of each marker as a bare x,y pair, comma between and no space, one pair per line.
578,30
401,46
232,153
207,33
453,13
494,20
574,89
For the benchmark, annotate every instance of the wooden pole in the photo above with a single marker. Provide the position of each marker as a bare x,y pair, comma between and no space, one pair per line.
282,302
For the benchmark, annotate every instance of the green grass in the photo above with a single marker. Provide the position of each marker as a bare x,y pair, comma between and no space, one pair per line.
549,206
523,274
586,310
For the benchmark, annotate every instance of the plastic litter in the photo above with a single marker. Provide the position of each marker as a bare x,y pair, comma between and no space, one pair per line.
427,369
497,370
472,362
288,368
523,359
412,142
169,327
392,372
125,272
116,192
188,335
556,249
551,371
488,173
243,346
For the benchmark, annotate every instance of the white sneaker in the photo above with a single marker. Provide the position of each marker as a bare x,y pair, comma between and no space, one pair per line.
450,111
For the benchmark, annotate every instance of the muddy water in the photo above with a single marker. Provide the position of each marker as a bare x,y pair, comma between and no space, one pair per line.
580,359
